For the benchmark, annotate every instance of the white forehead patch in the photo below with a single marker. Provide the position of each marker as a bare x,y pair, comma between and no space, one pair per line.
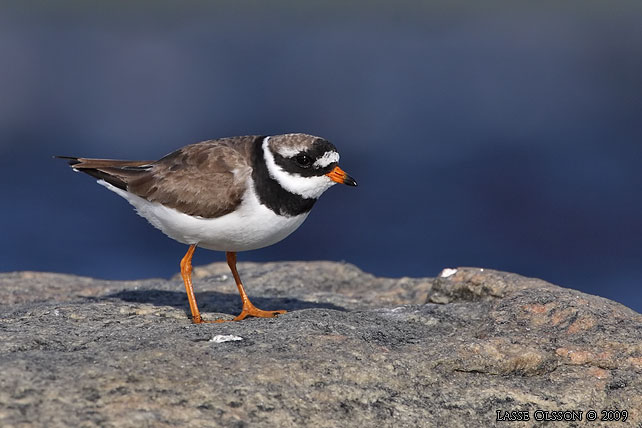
308,187
326,159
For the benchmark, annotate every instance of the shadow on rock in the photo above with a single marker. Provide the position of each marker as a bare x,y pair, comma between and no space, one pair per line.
214,301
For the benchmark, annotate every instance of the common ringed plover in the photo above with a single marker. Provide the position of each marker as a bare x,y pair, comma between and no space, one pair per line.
231,194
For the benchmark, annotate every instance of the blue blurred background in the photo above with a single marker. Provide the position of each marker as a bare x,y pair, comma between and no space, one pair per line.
497,134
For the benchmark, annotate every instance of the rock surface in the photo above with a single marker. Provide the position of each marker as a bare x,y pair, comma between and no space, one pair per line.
353,348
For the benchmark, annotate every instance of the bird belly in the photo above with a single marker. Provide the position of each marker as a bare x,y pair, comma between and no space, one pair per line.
251,226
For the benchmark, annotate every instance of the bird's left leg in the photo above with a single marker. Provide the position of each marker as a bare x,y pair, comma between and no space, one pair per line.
249,310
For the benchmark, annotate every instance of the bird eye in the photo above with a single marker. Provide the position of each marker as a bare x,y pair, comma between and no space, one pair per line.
303,160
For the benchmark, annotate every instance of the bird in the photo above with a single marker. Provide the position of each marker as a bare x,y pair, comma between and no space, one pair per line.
229,194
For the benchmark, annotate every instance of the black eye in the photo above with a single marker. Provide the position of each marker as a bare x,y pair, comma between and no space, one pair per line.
303,160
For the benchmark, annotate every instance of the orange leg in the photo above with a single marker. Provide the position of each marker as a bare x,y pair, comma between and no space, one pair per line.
186,273
248,308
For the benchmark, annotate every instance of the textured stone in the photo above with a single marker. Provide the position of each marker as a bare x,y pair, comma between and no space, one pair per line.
446,351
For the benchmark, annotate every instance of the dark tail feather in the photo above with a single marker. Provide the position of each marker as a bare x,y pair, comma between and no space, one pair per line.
114,172
70,159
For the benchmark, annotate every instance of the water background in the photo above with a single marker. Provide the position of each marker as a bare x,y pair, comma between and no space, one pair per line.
503,135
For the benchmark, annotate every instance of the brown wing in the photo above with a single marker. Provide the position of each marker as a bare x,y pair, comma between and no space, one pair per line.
206,179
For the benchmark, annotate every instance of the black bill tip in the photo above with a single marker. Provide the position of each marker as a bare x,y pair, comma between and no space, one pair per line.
349,181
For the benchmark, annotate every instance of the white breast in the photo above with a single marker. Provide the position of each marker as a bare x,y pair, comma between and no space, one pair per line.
249,227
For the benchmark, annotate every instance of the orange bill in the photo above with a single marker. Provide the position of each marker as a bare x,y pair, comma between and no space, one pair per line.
340,176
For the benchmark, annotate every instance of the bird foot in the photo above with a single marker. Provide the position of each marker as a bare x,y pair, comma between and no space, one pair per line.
259,313
199,320
248,311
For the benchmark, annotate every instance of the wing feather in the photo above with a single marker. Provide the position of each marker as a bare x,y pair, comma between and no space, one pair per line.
206,179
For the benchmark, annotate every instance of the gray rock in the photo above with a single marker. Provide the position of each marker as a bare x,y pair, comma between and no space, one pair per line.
353,349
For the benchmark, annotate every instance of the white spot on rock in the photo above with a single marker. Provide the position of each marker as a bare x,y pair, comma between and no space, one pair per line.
448,272
221,338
